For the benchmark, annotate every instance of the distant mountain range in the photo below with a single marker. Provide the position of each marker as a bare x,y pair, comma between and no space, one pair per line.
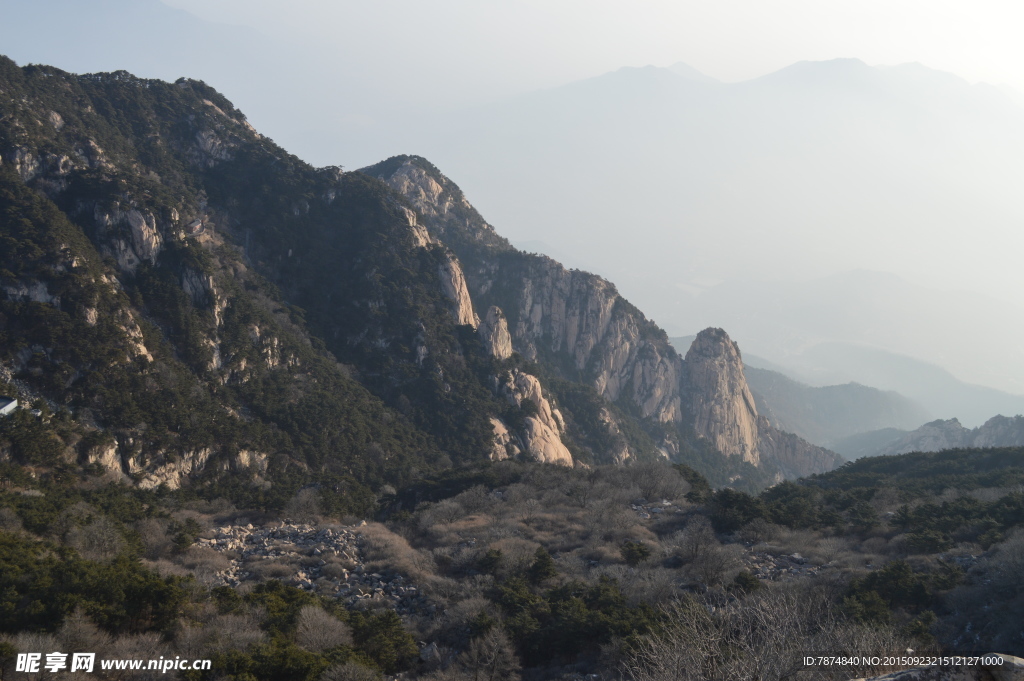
998,431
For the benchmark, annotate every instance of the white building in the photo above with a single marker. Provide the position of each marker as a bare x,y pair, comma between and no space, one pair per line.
7,406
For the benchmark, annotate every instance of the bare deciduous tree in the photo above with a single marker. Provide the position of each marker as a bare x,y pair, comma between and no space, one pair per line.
490,657
581,489
304,506
9,520
317,630
99,540
696,540
761,638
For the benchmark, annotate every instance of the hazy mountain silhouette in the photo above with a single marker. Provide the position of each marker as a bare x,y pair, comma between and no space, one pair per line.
687,71
936,389
782,321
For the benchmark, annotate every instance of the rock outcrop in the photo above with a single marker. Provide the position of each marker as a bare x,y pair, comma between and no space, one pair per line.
998,431
576,318
503,447
135,236
453,284
494,333
303,551
717,396
722,409
172,471
541,433
792,456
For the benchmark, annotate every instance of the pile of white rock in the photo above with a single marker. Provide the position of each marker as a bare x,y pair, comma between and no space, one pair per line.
774,568
311,550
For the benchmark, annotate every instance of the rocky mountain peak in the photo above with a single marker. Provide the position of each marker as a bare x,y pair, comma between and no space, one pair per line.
718,397
722,409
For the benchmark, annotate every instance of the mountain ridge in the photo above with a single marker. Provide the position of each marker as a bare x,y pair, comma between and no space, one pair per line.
578,323
352,336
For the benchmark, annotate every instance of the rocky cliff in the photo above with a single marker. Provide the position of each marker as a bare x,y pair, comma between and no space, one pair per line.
573,320
577,325
721,406
717,396
998,431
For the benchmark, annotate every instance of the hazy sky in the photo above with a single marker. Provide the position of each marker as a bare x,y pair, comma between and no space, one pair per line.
435,49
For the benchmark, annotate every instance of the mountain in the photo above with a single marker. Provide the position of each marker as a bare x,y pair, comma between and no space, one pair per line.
998,431
201,302
576,324
829,413
857,446
686,71
935,389
724,411
192,300
719,175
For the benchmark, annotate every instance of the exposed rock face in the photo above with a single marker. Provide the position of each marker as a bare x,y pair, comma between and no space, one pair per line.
172,473
542,433
494,333
143,240
719,400
544,443
621,454
723,411
146,239
792,456
998,431
503,446
136,340
578,323
199,286
247,459
581,318
568,317
106,456
422,190
33,290
453,283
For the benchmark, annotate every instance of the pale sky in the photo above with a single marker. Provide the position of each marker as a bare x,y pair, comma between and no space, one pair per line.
504,46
